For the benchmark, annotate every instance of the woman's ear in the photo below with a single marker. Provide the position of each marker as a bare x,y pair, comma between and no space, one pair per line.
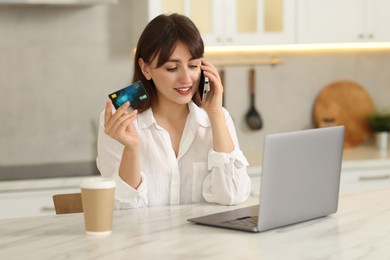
144,68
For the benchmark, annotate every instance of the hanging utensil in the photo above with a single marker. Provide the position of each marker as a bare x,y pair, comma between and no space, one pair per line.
222,76
253,118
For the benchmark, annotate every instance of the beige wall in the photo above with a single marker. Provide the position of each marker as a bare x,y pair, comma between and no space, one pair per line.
286,93
57,65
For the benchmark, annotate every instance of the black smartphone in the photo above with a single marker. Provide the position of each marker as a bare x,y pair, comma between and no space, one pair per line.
135,93
204,86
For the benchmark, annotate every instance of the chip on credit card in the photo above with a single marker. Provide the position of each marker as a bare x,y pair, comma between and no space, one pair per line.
135,93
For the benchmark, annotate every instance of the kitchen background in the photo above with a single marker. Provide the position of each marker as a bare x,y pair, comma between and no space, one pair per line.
58,63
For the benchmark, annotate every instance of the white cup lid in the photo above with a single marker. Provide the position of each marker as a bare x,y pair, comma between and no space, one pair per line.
97,183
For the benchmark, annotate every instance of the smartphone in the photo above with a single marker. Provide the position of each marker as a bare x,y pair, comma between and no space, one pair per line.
204,86
134,93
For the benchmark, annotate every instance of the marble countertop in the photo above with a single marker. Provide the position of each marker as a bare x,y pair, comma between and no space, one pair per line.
359,230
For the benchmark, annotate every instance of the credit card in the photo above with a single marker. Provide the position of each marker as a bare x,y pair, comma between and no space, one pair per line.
135,93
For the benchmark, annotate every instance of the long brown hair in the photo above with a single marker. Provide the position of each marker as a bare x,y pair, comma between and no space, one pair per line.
160,38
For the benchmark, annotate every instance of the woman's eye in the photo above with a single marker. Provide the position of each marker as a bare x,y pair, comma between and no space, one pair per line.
172,69
193,66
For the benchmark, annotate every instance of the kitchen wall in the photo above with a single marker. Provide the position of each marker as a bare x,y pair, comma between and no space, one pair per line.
57,65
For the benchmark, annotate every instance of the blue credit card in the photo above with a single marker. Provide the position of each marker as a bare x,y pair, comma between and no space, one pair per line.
135,93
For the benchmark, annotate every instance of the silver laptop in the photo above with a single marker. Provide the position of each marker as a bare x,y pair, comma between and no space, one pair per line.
300,181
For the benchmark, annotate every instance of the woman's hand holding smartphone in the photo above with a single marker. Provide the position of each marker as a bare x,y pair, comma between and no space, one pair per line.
204,86
213,102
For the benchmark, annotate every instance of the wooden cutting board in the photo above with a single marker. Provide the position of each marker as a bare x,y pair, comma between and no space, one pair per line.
346,103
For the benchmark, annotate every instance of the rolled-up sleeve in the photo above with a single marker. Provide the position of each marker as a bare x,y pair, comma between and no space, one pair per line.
128,197
228,182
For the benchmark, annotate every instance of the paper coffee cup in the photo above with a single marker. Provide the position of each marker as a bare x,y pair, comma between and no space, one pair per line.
97,196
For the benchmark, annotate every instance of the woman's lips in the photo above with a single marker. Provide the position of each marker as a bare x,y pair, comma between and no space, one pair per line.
183,91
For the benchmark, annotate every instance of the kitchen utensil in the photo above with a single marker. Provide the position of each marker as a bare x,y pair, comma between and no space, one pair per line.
253,118
345,103
222,76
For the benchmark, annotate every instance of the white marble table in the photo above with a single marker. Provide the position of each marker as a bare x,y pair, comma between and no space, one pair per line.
359,230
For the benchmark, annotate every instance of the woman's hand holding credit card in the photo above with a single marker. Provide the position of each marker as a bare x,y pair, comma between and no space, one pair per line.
134,93
118,124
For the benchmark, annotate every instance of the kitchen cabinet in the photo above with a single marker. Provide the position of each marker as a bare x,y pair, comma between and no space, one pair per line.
355,176
30,203
320,21
365,175
235,22
363,168
365,180
33,197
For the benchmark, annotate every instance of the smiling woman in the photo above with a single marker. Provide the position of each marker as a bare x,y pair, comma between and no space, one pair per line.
173,149
178,75
154,52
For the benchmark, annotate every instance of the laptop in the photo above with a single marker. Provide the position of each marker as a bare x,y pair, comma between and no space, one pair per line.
300,181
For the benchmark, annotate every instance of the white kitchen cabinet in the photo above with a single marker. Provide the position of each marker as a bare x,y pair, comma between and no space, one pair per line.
34,197
254,173
31,203
365,175
356,175
325,21
235,22
365,180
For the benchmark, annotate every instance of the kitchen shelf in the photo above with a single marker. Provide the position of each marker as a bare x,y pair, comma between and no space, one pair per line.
273,61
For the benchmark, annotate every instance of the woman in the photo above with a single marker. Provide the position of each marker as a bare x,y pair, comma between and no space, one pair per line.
172,149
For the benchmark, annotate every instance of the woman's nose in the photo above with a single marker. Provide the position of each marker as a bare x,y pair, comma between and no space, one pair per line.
185,77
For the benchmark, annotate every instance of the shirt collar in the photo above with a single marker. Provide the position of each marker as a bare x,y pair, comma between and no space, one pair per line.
197,116
146,119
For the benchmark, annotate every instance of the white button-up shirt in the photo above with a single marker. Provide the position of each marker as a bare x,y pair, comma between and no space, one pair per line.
197,174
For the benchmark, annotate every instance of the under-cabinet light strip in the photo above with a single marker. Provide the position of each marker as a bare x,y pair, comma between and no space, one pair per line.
297,47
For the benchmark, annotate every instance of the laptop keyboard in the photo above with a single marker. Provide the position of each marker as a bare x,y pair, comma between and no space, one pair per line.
249,221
